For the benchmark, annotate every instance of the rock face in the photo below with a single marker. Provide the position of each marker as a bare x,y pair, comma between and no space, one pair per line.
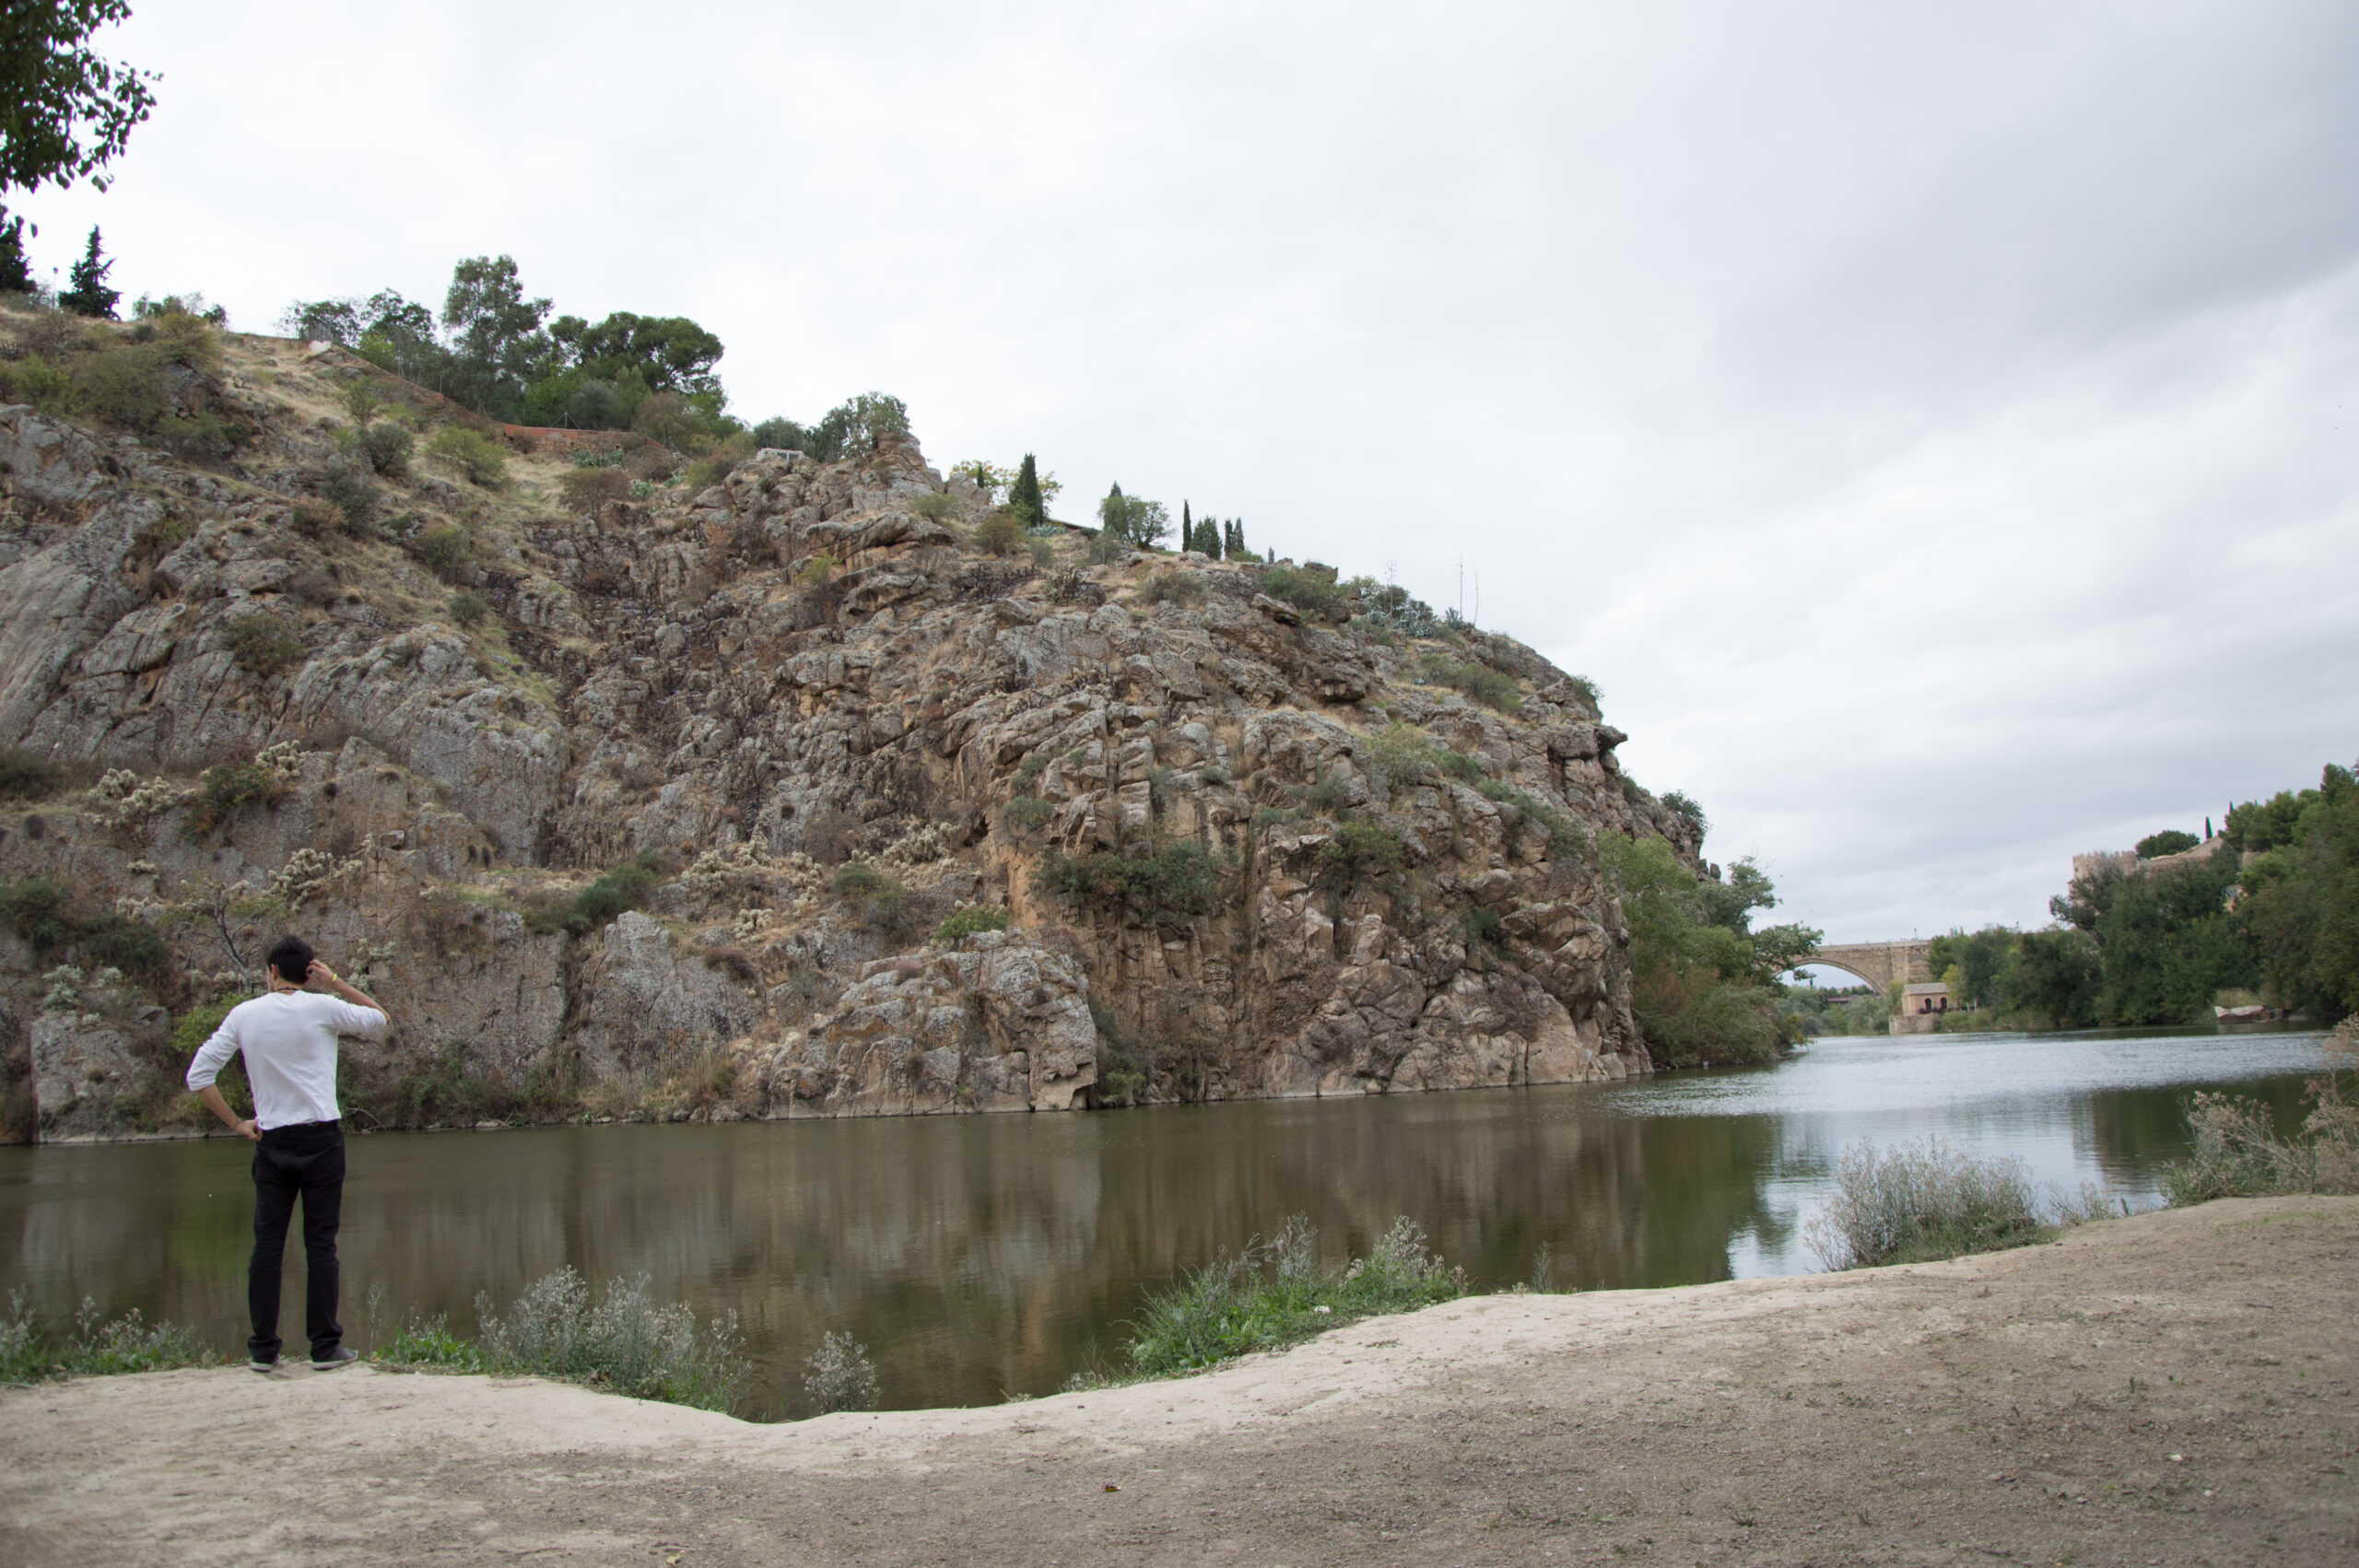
1244,850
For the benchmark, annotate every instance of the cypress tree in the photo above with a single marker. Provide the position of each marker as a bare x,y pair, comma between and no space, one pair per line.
1025,494
90,296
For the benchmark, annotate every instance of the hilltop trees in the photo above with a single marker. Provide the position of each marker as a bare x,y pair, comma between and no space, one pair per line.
89,295
1024,495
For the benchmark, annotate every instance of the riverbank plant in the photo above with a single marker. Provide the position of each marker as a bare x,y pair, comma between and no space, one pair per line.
2239,1154
839,1377
1273,1294
1918,1203
93,1349
624,1344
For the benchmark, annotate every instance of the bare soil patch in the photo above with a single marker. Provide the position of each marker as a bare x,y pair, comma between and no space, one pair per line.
2173,1388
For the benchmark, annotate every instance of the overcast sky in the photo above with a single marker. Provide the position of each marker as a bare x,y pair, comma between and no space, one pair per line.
1930,424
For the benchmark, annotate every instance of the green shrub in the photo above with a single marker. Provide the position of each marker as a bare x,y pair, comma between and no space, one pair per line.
1362,849
478,457
2169,841
1585,689
856,880
624,887
444,549
348,490
1169,887
839,1377
1122,1066
1333,793
1273,1296
226,787
1480,682
1001,533
263,643
936,506
127,1344
1922,1202
387,447
1566,836
35,380
1459,766
196,1027
625,1344
37,908
968,921
1172,588
1482,926
815,571
1027,813
31,775
1311,590
428,1342
468,607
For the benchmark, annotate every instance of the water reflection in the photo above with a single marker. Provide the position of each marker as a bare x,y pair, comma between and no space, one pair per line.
981,1256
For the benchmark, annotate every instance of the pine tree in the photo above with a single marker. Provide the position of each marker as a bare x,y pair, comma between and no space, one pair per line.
15,267
90,296
1024,495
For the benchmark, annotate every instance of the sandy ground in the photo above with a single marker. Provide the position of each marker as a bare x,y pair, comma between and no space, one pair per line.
2174,1388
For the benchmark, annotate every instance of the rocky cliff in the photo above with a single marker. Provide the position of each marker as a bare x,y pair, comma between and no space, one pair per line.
657,806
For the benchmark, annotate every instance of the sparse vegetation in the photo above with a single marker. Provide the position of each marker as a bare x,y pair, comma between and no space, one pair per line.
347,489
1001,533
1482,683
1363,849
839,1377
30,776
1311,590
263,643
443,549
1167,887
1027,814
624,887
586,488
468,608
623,1344
224,789
94,1349
1172,588
387,447
1919,1203
2239,1154
42,911
968,921
1274,1294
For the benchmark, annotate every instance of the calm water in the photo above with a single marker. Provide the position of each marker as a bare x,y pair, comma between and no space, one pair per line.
982,1256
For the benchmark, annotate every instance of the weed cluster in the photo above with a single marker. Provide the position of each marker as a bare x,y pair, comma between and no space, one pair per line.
1363,849
2238,1151
1172,588
1311,590
262,643
1027,813
966,922
839,1377
94,1349
624,887
1922,1202
1274,1294
225,787
625,1343
1482,683
477,456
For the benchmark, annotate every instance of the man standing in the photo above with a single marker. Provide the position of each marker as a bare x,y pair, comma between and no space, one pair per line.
288,1038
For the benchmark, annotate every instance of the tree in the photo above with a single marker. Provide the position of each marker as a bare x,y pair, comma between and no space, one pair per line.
1140,523
667,353
89,295
2299,914
1024,495
2169,841
2057,973
495,337
64,113
15,267
1984,962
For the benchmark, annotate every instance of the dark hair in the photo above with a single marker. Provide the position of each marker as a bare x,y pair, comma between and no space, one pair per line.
291,957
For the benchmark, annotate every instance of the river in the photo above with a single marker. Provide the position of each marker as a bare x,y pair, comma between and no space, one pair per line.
983,1256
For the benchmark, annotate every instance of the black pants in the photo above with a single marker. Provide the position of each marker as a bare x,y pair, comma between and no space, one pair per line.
307,1159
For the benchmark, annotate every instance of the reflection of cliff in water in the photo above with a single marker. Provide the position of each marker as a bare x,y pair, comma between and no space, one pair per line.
975,1256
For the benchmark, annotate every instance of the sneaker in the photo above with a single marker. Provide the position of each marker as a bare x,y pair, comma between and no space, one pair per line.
264,1367
343,1355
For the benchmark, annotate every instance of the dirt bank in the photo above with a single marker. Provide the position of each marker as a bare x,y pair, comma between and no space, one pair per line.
2174,1388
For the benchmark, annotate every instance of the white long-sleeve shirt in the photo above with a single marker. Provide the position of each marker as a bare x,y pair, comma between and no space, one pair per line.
289,1038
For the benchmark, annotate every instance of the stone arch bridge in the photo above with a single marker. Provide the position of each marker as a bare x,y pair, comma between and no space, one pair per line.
1880,963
